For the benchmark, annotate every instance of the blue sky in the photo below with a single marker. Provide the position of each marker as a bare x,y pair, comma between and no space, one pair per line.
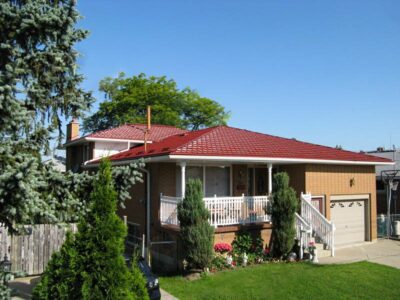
326,72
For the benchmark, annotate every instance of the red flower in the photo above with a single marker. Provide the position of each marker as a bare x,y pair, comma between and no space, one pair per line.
222,247
234,263
266,251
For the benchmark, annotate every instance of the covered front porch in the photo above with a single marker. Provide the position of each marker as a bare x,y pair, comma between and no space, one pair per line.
224,211
233,194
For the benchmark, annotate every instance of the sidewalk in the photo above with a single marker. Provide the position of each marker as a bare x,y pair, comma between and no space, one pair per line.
385,252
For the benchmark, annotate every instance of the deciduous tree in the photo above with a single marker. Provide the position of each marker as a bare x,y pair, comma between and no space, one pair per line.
127,99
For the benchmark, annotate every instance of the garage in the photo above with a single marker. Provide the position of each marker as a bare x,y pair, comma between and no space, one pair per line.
349,217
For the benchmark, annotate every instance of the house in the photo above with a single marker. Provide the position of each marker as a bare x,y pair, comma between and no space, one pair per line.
57,161
81,150
236,168
381,187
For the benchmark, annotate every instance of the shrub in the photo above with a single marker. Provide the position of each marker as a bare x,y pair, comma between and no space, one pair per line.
244,242
196,233
138,282
91,265
58,280
284,207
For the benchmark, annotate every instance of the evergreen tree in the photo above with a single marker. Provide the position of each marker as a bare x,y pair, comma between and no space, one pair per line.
58,280
284,207
39,86
196,233
138,283
92,265
100,241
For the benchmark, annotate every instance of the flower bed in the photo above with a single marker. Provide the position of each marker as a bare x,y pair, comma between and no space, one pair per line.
244,251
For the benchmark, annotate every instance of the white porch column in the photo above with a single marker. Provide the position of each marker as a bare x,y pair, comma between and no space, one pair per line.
269,179
183,178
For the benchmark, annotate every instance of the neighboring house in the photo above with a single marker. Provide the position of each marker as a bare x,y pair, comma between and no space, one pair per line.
380,185
80,150
58,162
236,168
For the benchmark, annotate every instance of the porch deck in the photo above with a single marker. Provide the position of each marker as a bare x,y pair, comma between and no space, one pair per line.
223,210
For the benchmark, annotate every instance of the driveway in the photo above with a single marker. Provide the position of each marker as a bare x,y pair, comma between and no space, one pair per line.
385,252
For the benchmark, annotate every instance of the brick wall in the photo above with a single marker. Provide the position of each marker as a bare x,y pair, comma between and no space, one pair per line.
135,208
296,176
227,234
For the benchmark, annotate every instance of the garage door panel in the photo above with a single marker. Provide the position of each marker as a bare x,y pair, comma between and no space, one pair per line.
349,219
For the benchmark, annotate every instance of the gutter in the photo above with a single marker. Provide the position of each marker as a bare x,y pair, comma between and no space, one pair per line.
148,221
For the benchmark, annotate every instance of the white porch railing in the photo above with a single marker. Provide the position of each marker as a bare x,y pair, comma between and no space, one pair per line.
237,210
223,210
322,227
169,209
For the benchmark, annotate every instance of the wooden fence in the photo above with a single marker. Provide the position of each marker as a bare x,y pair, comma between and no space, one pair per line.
31,252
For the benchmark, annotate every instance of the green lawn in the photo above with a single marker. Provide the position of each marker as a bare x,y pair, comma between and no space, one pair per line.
361,280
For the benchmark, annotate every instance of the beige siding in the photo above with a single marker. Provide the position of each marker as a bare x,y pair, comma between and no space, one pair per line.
331,180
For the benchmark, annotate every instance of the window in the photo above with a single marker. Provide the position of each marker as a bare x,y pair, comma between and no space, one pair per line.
192,172
217,181
250,182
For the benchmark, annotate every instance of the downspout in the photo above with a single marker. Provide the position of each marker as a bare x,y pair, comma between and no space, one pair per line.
148,222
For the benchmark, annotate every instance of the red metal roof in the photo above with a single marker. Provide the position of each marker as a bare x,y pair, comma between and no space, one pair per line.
136,132
227,141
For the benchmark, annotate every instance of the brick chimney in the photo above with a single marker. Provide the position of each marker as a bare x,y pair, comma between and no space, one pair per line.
72,130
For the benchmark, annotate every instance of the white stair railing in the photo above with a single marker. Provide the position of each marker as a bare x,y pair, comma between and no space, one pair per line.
322,227
303,233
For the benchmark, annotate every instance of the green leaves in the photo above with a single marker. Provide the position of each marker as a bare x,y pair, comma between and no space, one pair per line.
127,99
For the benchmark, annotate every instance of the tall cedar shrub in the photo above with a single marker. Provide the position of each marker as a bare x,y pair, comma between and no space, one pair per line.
196,233
58,280
284,208
138,284
95,267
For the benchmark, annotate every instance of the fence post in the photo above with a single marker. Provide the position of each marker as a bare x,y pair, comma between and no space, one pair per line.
143,245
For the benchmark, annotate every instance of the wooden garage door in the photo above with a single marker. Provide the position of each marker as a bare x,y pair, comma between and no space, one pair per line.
349,219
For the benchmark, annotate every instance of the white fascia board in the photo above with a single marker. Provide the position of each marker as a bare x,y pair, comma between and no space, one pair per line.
163,158
116,140
275,160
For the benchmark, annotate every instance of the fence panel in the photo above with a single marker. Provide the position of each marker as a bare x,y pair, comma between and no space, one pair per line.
31,252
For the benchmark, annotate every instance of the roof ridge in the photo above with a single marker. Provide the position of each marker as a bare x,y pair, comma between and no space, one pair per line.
206,130
158,125
298,141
